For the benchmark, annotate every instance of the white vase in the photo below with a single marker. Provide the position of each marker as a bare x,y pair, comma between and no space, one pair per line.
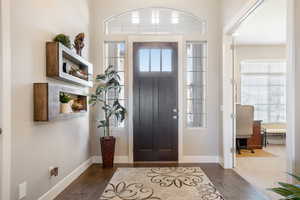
65,108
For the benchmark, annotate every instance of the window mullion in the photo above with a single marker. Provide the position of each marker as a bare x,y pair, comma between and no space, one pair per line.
160,59
268,91
150,61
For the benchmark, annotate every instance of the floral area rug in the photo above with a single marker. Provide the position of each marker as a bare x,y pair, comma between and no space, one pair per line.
168,183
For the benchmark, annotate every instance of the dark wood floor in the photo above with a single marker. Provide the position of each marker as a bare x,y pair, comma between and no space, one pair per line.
90,185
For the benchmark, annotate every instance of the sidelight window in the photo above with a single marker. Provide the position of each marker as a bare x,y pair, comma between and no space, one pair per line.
196,69
115,56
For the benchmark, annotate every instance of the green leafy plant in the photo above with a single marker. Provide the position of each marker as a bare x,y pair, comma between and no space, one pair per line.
64,98
64,39
288,191
108,83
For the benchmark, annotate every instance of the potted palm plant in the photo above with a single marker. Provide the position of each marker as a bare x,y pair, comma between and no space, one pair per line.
108,83
288,191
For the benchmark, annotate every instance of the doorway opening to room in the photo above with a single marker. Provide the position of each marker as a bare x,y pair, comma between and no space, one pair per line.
260,96
261,121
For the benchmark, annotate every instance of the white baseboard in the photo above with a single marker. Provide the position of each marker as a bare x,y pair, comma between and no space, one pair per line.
66,181
118,159
200,159
221,162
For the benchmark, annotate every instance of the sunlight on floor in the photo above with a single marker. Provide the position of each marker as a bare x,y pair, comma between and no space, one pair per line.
264,172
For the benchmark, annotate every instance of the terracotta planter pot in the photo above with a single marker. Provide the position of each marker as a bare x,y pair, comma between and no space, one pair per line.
108,151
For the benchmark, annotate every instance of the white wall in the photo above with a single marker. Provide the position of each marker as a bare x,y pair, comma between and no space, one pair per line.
1,98
255,52
232,8
37,146
5,100
297,84
203,142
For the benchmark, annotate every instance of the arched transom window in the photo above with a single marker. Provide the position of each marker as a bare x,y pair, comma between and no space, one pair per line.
155,21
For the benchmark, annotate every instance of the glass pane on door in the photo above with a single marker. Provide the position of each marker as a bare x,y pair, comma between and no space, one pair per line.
155,60
144,56
166,56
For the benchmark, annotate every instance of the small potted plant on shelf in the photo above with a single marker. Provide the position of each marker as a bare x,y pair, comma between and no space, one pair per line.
65,101
63,39
108,83
288,191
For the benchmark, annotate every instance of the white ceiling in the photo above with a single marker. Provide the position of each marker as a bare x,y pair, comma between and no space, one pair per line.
266,25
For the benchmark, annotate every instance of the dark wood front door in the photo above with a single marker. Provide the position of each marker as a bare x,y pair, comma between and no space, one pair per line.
155,118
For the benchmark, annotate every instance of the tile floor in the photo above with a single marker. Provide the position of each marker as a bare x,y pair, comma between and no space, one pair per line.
265,172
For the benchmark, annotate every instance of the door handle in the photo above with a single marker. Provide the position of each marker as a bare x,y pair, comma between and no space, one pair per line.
174,110
174,116
0,131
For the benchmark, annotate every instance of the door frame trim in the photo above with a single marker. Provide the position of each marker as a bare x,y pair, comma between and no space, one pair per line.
143,38
228,129
291,85
5,62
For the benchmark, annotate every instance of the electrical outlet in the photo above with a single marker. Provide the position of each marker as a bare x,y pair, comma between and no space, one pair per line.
22,190
53,171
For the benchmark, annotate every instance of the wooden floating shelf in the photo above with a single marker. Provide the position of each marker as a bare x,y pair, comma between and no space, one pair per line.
64,64
47,106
